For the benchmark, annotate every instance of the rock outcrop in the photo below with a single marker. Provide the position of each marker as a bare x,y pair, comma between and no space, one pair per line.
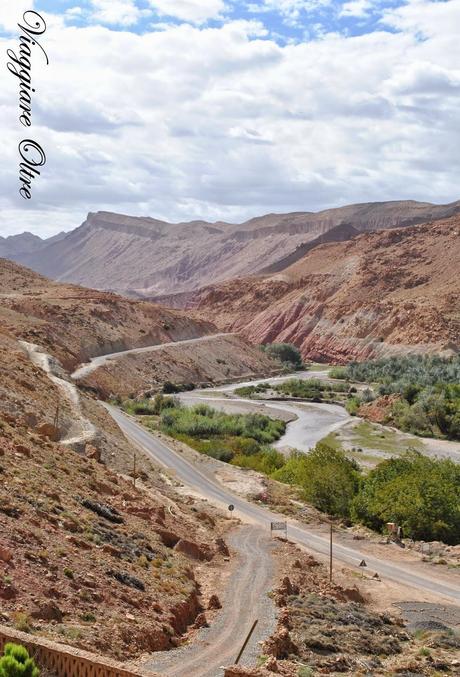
378,294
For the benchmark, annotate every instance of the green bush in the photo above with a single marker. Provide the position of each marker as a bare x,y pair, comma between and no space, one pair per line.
327,478
338,372
419,493
16,662
286,353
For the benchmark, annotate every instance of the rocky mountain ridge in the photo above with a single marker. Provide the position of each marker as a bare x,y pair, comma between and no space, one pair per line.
148,257
379,293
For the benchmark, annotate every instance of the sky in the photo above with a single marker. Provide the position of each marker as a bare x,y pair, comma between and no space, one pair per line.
228,109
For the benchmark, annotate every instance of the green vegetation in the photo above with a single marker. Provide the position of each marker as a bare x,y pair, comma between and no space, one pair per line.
249,391
327,478
428,386
419,493
241,439
309,389
286,353
16,662
146,407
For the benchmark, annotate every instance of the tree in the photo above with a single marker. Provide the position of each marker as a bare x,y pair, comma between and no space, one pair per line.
16,662
286,353
419,493
328,479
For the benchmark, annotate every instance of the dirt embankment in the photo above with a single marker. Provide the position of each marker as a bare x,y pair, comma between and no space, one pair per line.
218,360
331,628
379,293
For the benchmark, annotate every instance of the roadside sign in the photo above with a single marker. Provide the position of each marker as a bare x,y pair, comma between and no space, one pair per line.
231,507
278,526
363,563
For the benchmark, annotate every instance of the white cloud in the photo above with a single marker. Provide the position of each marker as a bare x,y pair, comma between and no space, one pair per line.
116,12
12,12
195,11
357,8
207,122
290,10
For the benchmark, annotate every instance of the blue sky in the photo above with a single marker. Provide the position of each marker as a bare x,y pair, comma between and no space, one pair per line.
291,20
225,109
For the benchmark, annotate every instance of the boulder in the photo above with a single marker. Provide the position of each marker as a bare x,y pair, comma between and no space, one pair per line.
192,550
93,452
222,547
5,554
214,603
49,611
48,431
201,621
280,645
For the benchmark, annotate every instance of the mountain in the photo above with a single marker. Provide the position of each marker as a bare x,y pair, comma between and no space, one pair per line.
379,293
145,256
18,246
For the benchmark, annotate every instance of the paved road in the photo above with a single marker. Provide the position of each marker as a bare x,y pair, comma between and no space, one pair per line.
191,476
246,599
96,362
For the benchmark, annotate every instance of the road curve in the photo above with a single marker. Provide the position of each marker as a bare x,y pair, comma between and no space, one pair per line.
96,362
246,599
191,476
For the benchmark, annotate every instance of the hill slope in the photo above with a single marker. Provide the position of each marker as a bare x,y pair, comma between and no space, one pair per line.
86,558
151,257
376,294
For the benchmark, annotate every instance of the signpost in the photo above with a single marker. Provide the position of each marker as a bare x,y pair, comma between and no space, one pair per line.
278,526
231,508
362,564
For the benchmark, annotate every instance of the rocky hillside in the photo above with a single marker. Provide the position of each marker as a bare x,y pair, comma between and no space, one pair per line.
74,323
150,257
379,293
86,558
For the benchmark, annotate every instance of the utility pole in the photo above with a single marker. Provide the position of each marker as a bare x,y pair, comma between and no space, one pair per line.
134,468
330,555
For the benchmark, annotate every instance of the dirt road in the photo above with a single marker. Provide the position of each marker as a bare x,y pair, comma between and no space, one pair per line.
246,599
83,431
96,362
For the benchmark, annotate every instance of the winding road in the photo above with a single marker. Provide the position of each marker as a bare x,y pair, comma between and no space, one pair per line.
421,577
96,362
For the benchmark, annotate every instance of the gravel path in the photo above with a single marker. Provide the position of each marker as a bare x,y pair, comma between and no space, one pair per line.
96,362
83,431
245,600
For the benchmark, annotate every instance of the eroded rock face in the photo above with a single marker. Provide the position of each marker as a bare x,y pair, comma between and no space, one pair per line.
193,550
280,645
375,295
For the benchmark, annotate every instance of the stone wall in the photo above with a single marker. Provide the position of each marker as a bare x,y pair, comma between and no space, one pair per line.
66,661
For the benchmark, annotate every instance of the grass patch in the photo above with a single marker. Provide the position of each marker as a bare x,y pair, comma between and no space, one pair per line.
368,436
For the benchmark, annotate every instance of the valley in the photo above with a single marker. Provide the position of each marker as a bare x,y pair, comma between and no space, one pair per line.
123,517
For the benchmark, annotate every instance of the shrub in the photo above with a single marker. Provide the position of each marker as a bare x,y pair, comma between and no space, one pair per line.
16,662
285,353
327,478
419,493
